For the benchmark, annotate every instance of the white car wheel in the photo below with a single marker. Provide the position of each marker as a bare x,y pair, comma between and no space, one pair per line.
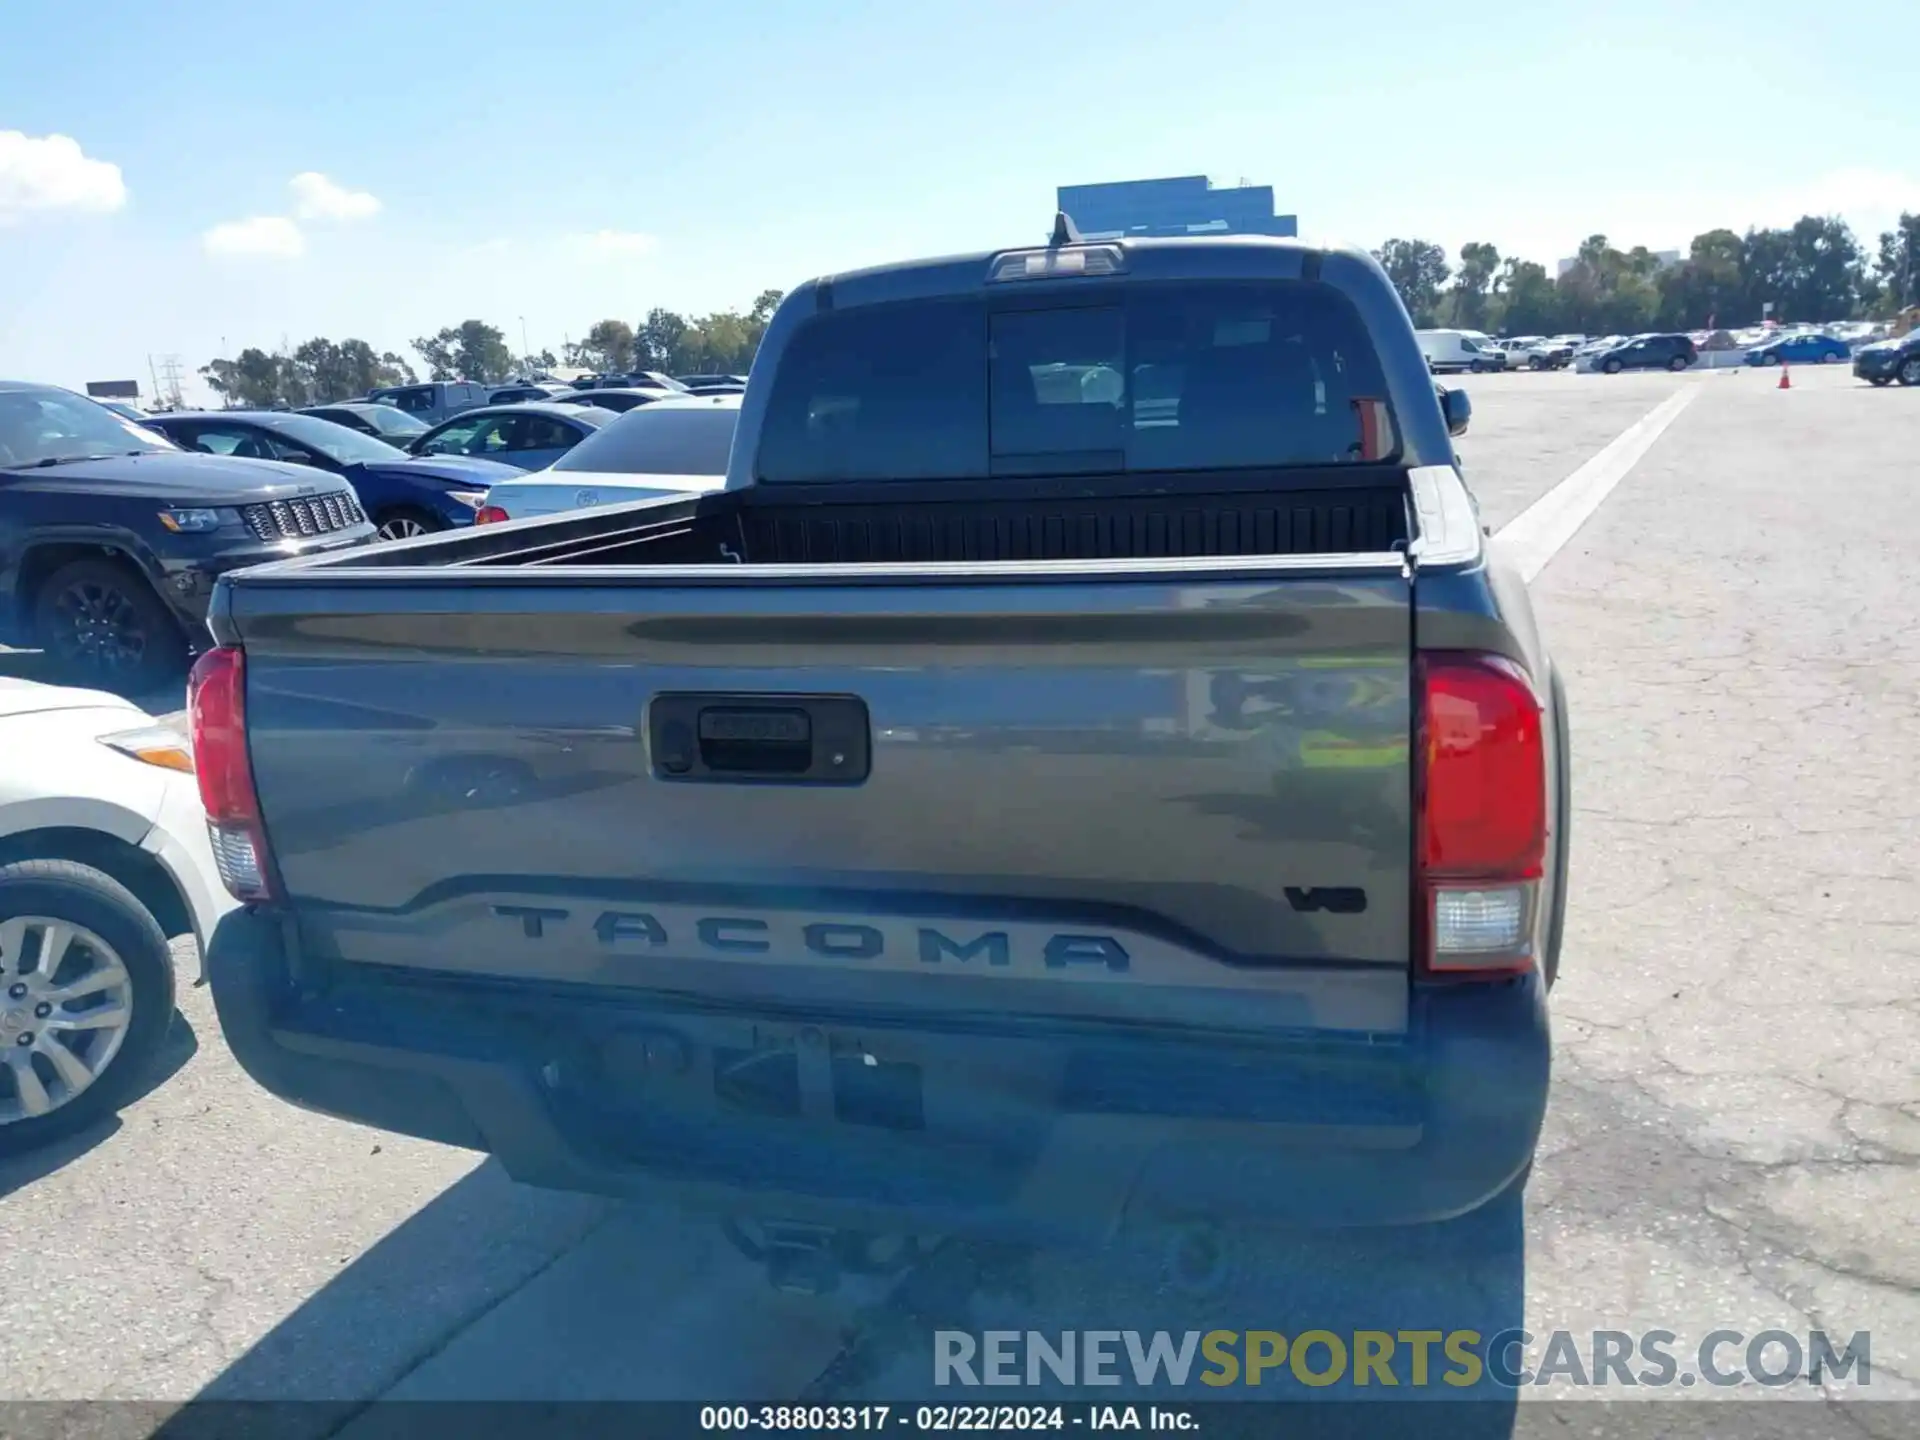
86,997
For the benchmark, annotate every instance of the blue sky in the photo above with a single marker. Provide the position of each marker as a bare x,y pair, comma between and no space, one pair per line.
561,163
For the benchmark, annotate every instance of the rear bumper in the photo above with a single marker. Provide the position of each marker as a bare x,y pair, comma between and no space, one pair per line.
1056,1135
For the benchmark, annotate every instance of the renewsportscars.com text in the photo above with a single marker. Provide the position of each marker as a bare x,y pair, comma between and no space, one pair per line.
1412,1358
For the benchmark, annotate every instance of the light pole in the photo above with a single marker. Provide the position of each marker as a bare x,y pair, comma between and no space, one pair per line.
526,350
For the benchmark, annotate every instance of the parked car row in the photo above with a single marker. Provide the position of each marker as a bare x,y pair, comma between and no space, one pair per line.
112,532
1471,350
1475,351
433,402
1453,350
403,494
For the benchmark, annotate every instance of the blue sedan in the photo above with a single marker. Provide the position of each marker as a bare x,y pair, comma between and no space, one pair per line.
1799,350
403,496
528,436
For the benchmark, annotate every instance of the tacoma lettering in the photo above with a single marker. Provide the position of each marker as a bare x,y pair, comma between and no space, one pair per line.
837,940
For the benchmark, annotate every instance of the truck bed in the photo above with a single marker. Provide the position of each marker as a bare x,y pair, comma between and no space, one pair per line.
1121,518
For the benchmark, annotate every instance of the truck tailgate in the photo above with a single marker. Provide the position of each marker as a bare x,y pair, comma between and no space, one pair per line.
1174,798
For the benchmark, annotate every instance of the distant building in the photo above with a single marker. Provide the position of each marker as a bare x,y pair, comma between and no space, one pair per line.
1666,260
1186,205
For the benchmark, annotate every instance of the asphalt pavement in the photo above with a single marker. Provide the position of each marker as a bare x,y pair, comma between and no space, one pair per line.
1734,1136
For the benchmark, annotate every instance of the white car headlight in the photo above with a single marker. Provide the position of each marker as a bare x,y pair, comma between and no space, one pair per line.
159,745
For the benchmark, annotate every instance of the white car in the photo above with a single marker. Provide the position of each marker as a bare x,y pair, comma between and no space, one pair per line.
671,447
1518,349
1536,352
103,856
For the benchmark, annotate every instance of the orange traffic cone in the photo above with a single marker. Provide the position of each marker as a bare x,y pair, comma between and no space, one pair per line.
1785,383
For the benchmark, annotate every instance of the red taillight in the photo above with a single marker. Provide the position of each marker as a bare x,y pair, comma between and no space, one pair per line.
490,515
217,717
1482,815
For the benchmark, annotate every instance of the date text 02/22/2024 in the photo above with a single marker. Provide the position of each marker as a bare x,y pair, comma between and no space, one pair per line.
942,1419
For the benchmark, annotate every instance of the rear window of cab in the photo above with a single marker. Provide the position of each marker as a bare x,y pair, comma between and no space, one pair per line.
1147,378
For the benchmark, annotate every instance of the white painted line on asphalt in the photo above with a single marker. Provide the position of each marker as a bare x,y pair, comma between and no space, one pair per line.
1534,537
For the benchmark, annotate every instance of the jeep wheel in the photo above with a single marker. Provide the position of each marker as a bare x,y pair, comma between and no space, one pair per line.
102,625
1910,371
1611,367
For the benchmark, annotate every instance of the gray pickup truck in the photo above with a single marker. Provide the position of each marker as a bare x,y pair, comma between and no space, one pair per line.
1086,763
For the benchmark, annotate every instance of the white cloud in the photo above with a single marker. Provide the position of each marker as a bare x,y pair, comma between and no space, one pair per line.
315,197
51,173
271,235
612,245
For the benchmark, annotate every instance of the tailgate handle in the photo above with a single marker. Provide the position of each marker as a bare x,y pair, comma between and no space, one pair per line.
777,739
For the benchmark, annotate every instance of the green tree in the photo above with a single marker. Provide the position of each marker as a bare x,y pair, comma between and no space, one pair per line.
608,346
322,370
1609,291
254,380
437,352
1895,270
481,352
1813,270
363,370
1706,289
658,340
1470,302
318,371
1529,302
1418,268
471,350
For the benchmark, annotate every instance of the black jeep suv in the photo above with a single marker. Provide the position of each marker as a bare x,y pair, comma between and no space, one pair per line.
111,536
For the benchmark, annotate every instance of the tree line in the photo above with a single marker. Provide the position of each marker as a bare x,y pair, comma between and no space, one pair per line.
1813,270
317,372
321,371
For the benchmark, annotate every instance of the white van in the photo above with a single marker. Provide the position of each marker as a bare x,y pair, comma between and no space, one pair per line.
1458,350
